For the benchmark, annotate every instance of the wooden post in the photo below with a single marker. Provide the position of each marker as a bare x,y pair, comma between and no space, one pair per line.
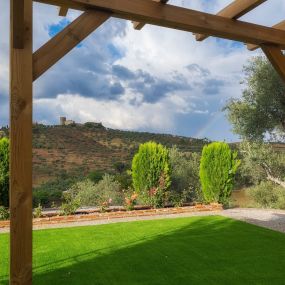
21,78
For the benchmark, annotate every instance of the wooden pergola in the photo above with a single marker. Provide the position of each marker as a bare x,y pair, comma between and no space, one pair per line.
27,66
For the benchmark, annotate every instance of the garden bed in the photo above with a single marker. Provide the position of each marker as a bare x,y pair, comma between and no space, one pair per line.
90,215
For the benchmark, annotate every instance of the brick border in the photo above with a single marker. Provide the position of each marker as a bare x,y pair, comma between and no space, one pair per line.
119,215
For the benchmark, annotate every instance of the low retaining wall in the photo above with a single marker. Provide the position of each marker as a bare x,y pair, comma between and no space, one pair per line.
119,214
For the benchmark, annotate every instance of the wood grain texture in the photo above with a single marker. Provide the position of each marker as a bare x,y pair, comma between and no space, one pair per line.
276,57
181,19
279,26
140,25
21,150
17,27
66,40
235,10
63,11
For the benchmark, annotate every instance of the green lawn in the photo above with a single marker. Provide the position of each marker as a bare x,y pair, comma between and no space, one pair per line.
199,250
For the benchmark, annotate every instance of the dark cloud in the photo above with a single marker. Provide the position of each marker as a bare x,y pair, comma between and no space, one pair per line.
198,70
152,88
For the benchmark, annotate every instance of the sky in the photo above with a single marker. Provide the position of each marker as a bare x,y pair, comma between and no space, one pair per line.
157,79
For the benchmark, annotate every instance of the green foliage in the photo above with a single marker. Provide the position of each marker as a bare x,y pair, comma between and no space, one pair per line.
185,181
4,172
151,170
261,109
103,194
120,167
217,171
95,176
268,195
261,162
70,205
4,213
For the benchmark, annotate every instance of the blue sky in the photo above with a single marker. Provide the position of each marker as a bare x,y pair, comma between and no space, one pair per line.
157,80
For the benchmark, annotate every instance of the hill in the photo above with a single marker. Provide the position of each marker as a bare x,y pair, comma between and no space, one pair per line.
76,150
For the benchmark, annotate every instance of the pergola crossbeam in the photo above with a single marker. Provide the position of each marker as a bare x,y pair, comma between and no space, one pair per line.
179,18
279,26
57,47
235,10
140,25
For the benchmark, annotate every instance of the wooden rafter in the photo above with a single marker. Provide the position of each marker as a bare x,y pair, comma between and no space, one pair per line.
140,25
182,19
62,11
279,26
21,146
276,57
235,10
66,40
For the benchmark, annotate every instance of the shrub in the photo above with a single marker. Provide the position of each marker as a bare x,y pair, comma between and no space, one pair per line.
268,195
103,194
95,176
185,181
71,204
217,171
130,199
149,167
4,172
4,213
38,211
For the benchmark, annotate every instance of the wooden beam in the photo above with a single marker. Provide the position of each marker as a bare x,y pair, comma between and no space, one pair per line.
17,26
235,10
63,11
140,25
21,148
279,26
66,40
181,19
276,57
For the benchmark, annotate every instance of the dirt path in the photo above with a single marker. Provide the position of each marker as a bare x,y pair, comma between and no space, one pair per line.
273,219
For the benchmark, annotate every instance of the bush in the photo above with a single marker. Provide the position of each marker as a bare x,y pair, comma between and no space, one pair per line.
95,176
4,172
268,195
185,181
4,213
151,169
103,194
217,171
38,211
71,204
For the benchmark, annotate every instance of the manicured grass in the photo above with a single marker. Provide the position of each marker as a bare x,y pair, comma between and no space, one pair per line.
199,250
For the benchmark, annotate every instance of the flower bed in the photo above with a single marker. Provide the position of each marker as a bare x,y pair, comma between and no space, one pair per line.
118,214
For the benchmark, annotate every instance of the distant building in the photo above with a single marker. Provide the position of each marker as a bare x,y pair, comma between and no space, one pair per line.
64,122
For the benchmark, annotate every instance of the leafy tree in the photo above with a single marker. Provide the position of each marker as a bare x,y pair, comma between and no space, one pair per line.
151,171
4,172
185,181
261,110
217,170
261,162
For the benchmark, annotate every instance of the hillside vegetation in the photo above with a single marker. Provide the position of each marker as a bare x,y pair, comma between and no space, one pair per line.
76,150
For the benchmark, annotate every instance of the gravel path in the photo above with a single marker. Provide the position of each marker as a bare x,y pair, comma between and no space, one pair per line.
272,219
